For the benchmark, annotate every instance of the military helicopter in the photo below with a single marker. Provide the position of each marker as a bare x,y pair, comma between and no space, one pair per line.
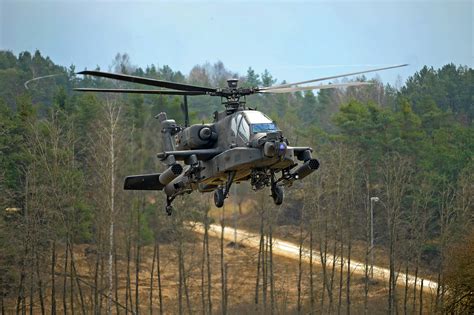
241,144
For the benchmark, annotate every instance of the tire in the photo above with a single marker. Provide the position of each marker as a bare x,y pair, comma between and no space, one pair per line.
277,195
169,209
219,197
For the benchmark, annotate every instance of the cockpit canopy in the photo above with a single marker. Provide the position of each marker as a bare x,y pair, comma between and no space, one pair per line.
247,123
259,123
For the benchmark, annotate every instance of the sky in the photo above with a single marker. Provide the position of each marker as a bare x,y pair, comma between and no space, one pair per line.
294,40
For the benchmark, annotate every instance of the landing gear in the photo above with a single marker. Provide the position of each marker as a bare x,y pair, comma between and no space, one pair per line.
169,207
277,191
277,194
222,192
219,197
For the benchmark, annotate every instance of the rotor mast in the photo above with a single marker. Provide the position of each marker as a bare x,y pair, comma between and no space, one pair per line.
232,95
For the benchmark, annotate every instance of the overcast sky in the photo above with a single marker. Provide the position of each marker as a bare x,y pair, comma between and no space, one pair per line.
293,40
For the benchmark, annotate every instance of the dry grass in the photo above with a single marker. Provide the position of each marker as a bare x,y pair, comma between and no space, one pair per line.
241,269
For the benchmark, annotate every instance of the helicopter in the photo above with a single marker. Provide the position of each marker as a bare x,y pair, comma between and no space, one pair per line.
241,144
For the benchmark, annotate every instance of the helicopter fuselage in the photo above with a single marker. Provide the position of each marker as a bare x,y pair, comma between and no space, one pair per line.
246,144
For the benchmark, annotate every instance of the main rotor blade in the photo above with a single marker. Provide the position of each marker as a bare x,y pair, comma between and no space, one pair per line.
147,81
313,87
328,78
138,91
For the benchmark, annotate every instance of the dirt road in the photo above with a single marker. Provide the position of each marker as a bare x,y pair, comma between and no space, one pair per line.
291,250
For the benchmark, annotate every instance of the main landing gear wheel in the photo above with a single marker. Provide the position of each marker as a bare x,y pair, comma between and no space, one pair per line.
169,209
219,197
277,194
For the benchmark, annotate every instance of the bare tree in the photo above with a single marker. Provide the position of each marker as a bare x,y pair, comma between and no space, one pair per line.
396,172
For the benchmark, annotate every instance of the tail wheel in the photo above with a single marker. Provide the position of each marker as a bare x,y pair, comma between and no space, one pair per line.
277,195
219,197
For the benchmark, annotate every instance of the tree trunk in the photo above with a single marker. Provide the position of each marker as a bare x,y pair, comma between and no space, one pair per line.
323,247
392,270
158,269
71,280
206,264
116,279
203,267
208,257
180,276
226,293
112,209
223,284
66,255
2,296
405,297
367,247
413,308
185,284
300,270
260,255
74,272
151,278
348,276
341,276
101,279
96,281
137,266
265,274
331,278
311,273
421,297
77,280
272,282
32,282
53,279
128,288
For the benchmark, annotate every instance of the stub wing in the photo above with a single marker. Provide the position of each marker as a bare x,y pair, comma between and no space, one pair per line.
201,154
143,182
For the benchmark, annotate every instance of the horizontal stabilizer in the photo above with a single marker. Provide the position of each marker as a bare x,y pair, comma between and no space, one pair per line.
143,182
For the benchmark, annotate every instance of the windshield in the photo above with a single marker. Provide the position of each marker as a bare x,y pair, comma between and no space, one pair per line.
265,127
259,122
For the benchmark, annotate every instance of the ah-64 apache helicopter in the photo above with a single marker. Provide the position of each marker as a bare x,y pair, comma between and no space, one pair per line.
241,144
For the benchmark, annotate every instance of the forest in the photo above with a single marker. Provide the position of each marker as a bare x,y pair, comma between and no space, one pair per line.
395,158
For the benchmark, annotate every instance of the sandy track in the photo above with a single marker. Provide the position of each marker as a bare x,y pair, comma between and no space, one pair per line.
291,250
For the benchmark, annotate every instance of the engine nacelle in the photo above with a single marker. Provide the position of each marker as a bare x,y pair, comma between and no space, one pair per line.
196,137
